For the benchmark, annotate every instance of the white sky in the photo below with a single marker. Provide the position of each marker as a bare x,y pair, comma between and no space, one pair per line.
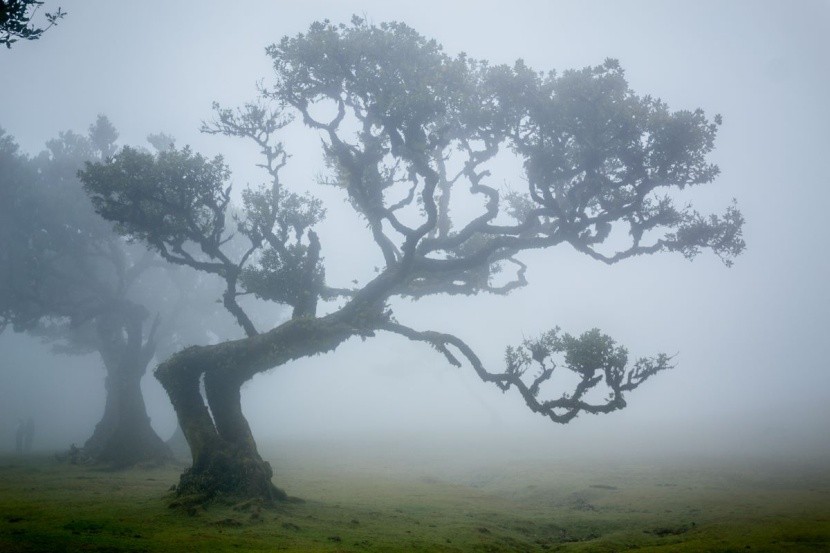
753,367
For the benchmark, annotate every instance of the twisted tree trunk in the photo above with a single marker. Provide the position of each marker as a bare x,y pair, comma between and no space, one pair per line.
226,462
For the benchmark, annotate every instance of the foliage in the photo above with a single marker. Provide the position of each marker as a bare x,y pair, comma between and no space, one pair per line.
17,173
69,279
61,260
64,266
594,357
596,156
180,196
16,20
408,132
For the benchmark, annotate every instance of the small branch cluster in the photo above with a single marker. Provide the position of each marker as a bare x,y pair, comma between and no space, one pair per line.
593,357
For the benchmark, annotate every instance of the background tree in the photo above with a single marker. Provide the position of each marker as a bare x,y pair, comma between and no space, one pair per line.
413,133
68,278
16,20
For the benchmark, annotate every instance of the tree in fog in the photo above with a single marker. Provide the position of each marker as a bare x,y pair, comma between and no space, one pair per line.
411,132
68,278
16,20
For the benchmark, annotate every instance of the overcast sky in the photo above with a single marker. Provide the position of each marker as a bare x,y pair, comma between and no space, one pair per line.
752,345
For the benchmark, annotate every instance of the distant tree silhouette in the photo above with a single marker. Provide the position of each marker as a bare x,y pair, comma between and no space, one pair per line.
68,278
16,20
410,134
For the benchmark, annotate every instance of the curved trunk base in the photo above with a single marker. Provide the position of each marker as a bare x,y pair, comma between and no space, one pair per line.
124,436
126,445
228,473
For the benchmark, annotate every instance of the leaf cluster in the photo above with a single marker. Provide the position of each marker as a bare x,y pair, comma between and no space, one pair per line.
593,357
16,20
595,155
164,199
60,259
66,276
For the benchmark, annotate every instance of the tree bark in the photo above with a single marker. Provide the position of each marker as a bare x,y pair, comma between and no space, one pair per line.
124,436
226,462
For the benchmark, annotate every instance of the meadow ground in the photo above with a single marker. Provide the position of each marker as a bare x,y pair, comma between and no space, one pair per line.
357,500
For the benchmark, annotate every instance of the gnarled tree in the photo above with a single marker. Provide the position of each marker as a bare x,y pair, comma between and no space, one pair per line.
411,132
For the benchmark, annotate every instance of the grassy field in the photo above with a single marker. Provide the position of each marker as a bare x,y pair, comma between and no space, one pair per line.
429,504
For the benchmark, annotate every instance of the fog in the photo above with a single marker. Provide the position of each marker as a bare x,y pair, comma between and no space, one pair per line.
752,375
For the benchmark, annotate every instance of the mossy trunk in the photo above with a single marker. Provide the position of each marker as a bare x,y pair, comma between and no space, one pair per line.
225,471
226,462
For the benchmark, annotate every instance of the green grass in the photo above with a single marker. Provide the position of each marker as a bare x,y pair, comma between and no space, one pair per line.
426,506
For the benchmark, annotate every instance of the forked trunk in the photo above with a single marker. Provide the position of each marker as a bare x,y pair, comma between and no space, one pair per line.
225,457
226,462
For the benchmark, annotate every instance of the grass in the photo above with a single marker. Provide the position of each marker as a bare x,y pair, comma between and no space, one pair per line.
423,505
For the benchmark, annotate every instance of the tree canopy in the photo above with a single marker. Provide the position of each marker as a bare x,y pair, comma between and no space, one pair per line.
60,259
69,279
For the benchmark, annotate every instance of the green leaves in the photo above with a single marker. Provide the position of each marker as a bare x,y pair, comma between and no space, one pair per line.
586,137
63,265
273,214
281,276
585,354
102,135
596,155
16,20
177,202
389,75
167,198
592,357
593,351
721,234
281,219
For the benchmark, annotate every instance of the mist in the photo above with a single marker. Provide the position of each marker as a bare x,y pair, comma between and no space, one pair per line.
751,373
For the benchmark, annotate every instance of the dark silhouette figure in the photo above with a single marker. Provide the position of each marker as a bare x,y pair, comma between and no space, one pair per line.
28,434
19,435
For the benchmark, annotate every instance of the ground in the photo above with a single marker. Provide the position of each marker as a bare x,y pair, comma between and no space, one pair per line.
428,504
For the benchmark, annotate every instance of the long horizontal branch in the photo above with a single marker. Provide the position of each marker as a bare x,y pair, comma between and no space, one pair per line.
239,360
560,410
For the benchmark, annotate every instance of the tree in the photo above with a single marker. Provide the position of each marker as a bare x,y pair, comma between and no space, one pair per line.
16,20
411,133
68,278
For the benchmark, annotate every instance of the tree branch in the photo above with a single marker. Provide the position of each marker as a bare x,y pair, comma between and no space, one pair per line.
564,409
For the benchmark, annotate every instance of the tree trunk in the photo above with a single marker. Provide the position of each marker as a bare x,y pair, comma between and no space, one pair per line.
124,436
226,462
